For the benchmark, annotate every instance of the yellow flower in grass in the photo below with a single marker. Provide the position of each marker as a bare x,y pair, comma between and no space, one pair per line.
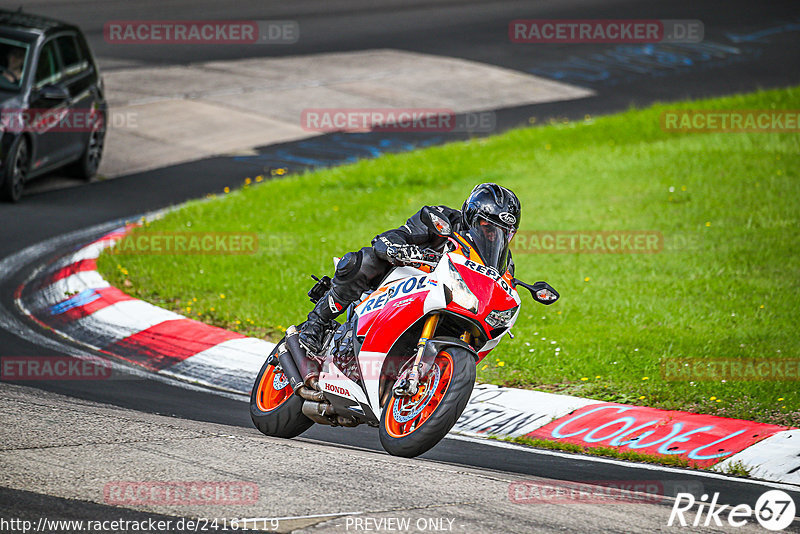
713,398
500,364
584,378
645,378
484,367
227,189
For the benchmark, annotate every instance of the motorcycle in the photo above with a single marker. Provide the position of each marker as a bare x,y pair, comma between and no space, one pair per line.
404,359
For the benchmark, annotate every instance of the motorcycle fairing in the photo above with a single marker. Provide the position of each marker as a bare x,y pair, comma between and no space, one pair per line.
342,392
404,297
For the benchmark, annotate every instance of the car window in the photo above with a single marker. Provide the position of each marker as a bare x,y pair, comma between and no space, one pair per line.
47,71
13,62
71,55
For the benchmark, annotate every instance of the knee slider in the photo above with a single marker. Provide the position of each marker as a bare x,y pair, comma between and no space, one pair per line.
348,266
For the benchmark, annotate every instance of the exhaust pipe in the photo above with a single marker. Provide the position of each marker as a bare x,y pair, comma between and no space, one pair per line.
308,368
346,421
319,412
324,414
311,394
289,368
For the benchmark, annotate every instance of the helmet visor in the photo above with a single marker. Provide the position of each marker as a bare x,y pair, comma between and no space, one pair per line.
491,242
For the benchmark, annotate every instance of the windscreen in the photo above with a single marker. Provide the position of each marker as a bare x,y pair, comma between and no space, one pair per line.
491,242
13,55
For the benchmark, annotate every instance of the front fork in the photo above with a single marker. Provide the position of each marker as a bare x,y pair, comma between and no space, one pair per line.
408,386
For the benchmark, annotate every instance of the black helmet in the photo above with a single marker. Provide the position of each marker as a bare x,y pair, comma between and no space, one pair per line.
492,214
495,204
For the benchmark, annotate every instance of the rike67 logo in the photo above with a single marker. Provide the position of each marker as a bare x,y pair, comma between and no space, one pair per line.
774,510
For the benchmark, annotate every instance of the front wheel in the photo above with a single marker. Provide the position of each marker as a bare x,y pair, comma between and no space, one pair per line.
274,408
16,169
86,166
412,425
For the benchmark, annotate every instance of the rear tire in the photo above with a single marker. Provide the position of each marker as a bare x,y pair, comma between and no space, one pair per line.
412,425
274,408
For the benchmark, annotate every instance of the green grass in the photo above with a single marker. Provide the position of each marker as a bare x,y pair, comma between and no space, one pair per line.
732,294
607,452
738,468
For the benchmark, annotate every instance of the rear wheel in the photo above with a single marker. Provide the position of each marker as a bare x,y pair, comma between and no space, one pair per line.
274,408
412,425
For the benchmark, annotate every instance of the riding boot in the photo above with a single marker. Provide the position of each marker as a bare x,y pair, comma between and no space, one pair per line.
313,330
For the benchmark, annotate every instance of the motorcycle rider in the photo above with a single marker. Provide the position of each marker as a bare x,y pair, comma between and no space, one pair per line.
490,215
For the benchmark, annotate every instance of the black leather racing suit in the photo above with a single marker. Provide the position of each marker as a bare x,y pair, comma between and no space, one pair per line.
364,269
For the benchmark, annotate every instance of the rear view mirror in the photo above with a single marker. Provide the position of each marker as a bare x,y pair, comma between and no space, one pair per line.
541,292
440,225
53,92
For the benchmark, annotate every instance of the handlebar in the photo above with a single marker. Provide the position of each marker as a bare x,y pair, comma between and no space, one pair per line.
429,257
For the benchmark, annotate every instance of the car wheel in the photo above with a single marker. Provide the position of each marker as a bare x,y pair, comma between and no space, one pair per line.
15,170
86,167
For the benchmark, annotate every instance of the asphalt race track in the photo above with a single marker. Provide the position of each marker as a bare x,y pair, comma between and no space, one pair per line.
748,45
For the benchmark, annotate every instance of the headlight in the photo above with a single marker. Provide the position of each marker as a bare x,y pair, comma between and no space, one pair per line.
461,293
499,319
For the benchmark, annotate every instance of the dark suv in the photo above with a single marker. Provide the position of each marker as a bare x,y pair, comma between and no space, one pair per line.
52,107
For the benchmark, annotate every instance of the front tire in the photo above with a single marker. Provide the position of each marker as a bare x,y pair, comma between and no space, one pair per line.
412,425
274,408
15,171
86,166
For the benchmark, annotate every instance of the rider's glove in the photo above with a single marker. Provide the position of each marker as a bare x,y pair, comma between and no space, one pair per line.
404,254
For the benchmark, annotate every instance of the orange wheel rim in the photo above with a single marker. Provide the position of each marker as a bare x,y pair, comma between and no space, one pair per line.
407,414
273,390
